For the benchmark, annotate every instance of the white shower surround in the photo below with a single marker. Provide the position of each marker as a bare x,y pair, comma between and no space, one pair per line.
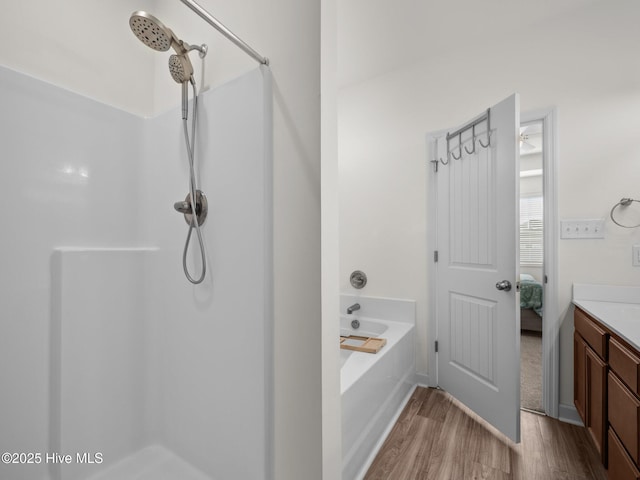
99,247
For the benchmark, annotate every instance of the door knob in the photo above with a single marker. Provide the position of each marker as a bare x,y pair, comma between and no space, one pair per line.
504,285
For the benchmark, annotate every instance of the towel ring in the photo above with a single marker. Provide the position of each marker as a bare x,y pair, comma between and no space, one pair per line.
625,202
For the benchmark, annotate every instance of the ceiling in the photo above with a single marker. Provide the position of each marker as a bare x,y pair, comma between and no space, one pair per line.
379,36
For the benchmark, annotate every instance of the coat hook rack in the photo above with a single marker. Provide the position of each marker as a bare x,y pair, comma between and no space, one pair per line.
485,117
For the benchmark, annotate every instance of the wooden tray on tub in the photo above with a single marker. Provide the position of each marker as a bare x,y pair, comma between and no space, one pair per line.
362,344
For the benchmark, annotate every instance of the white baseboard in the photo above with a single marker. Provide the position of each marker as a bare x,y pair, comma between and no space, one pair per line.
422,380
569,414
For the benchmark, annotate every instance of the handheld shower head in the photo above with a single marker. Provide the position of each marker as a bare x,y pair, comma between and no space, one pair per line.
180,68
182,72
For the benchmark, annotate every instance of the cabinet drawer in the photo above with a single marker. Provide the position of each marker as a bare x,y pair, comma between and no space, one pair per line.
624,412
620,465
595,336
624,363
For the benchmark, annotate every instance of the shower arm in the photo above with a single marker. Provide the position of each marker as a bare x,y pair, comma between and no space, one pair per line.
207,17
202,49
181,47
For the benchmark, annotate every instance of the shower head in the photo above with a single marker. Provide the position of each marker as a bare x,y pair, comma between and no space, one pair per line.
180,68
153,33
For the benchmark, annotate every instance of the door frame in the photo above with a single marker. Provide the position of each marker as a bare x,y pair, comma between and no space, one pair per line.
551,324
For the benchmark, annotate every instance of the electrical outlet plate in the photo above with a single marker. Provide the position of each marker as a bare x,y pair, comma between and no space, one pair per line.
575,229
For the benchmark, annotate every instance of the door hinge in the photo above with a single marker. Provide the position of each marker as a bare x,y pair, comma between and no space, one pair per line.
435,256
435,165
546,279
436,346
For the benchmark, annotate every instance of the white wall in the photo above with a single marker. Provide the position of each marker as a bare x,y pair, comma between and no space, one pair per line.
85,50
91,51
579,63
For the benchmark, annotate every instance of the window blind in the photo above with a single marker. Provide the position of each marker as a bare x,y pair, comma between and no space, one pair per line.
531,223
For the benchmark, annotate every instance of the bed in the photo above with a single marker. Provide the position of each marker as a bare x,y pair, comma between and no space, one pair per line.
530,303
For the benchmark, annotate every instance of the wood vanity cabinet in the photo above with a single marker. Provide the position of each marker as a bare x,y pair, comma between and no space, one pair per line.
607,394
624,410
590,377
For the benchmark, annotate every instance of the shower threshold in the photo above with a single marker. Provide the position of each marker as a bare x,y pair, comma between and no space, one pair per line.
151,463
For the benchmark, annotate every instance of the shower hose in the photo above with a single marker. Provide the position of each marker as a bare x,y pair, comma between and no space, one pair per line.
194,225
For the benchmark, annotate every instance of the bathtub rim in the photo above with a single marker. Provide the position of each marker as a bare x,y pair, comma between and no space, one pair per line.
362,362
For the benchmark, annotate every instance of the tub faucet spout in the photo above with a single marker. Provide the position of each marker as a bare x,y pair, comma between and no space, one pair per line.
353,308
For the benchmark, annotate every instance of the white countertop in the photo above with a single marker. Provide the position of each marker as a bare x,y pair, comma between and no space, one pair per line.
618,308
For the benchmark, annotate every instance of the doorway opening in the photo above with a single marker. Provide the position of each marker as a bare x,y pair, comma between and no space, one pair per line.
531,264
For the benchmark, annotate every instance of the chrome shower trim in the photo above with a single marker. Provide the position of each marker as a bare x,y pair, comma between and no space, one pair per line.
201,210
202,49
154,34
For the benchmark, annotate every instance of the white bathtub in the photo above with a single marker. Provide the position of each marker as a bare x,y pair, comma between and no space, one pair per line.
373,387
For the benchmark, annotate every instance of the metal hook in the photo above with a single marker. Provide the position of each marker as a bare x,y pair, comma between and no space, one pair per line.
459,148
488,131
473,141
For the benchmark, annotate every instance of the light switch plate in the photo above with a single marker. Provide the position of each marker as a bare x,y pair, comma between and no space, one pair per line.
576,229
636,256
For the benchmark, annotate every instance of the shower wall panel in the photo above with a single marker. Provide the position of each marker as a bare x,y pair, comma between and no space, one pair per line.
215,338
100,344
69,178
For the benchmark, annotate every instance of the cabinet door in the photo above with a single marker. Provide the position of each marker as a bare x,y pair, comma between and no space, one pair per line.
596,392
579,375
621,467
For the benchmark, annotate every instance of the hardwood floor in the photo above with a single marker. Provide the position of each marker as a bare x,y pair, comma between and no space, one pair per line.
438,438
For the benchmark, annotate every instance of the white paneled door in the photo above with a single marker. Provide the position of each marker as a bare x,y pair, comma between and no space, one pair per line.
477,241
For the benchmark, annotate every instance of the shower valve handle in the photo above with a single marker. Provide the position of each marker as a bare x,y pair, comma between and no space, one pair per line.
182,207
202,208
